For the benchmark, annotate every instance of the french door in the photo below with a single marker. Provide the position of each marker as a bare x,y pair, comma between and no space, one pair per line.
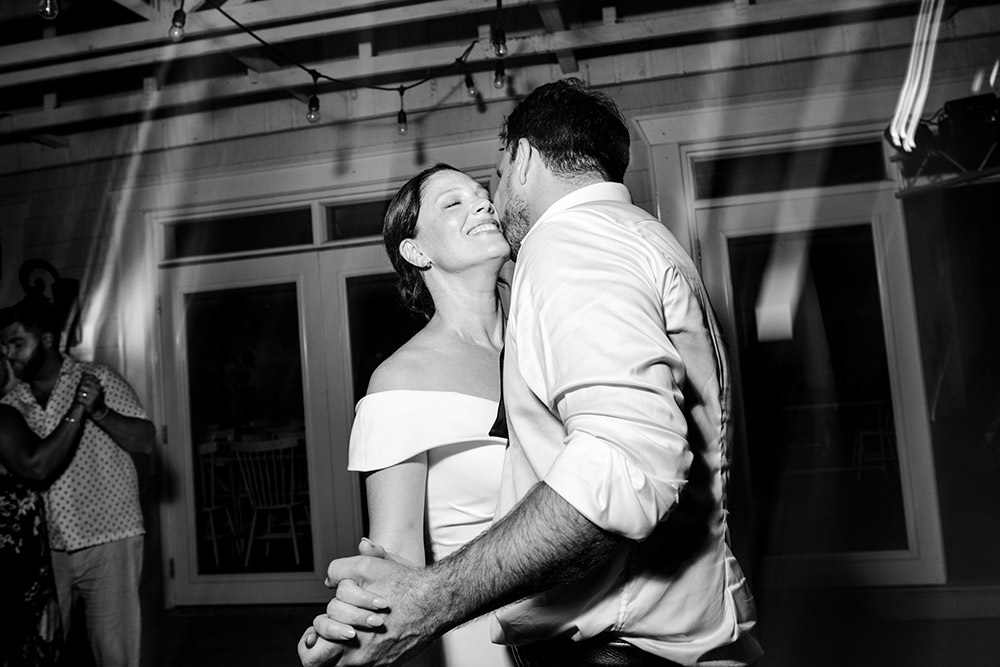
257,359
814,294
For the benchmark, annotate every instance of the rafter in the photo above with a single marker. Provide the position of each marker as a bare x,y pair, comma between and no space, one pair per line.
552,19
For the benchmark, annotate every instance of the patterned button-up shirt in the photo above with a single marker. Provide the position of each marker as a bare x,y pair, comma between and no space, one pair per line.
96,498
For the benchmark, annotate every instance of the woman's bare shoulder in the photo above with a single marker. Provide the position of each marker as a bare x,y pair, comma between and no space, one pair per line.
406,368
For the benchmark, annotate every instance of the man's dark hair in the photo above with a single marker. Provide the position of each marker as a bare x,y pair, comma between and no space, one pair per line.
401,224
34,313
577,131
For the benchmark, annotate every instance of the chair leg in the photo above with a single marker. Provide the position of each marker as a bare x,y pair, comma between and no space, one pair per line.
253,525
213,536
295,536
237,538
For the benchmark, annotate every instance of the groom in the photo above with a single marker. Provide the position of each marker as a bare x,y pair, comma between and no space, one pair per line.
612,546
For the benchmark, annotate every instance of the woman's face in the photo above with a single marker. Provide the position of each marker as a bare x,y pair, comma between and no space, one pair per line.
457,225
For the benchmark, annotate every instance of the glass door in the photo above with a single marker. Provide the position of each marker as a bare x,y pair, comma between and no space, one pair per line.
814,295
252,516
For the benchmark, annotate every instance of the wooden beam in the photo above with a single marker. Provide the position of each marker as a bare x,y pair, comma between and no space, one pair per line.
552,19
141,8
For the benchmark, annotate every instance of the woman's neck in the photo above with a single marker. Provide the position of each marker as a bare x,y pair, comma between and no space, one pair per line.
469,310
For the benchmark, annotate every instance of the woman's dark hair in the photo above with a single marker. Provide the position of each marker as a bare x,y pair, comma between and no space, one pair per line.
576,131
401,224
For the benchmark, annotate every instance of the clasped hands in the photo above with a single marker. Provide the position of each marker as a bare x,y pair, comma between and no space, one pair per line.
375,617
90,394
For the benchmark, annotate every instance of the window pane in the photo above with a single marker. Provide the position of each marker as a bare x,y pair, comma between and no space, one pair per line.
815,388
789,170
353,220
259,231
245,375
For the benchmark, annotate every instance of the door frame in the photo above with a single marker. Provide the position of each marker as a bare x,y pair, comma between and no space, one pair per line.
922,562
185,586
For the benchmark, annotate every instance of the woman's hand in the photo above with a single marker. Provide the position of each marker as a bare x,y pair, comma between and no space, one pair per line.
353,607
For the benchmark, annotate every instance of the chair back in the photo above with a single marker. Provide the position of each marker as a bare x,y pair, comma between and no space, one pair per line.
269,471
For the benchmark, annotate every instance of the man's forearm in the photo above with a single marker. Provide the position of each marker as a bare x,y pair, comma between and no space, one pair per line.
132,434
543,542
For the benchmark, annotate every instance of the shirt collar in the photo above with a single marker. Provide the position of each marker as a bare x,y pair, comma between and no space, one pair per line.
603,191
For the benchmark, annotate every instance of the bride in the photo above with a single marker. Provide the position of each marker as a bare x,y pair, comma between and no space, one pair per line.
421,434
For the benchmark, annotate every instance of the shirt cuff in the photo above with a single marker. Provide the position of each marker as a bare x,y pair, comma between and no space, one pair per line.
601,483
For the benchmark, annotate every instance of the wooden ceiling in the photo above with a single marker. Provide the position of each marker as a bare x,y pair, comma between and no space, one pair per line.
99,62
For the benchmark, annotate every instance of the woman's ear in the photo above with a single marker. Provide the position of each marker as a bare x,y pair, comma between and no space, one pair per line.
412,254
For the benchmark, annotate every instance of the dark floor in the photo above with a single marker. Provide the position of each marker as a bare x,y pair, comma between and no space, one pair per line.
792,634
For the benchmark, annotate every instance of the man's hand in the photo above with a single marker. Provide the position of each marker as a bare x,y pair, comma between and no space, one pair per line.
362,585
90,394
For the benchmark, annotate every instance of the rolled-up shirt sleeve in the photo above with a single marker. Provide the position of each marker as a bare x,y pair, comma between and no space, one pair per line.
602,360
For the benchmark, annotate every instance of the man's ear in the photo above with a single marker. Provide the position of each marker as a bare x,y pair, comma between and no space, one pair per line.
47,340
524,162
412,254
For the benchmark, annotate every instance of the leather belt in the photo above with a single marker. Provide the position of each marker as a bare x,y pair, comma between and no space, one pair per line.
600,651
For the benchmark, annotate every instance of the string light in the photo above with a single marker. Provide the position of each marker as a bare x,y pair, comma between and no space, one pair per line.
401,116
499,37
48,9
499,75
312,114
176,32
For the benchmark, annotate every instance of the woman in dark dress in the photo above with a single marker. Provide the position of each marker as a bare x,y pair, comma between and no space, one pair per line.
32,633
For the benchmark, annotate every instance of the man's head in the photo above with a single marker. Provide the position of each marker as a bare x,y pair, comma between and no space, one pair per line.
30,337
579,135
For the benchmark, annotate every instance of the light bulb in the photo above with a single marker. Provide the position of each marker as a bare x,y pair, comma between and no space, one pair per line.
499,76
313,115
470,85
48,9
176,32
499,42
401,120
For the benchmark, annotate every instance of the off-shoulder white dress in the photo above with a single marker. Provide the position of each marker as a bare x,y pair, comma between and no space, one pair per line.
463,480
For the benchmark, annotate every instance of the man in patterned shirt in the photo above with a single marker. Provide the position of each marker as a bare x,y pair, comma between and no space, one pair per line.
94,518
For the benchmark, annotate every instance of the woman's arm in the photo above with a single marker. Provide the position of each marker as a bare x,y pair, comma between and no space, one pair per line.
396,497
26,455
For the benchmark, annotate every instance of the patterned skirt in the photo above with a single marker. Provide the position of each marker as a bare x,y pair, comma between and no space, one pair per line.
33,634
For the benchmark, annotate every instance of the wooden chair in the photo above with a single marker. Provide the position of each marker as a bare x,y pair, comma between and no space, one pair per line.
214,502
272,482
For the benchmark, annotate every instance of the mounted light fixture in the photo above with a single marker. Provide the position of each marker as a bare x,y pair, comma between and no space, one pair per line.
48,9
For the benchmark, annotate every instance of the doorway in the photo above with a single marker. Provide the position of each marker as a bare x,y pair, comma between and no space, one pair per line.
269,354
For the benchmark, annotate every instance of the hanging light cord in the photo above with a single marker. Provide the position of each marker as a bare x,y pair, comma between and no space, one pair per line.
315,74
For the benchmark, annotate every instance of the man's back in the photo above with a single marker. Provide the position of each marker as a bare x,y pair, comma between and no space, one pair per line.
616,389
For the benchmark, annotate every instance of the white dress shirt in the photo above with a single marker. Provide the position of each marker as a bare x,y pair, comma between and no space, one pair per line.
617,396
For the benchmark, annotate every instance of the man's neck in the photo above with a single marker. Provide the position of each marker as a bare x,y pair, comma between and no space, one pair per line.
43,383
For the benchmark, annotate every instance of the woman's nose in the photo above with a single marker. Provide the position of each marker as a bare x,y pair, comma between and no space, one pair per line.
485,205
